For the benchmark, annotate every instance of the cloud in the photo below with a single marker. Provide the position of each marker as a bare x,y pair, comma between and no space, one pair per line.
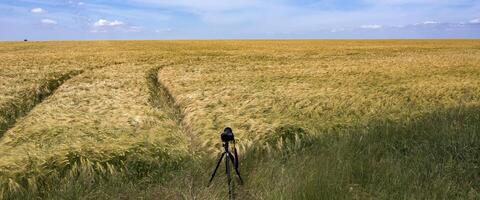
371,26
418,2
474,21
106,23
74,2
37,10
49,22
430,22
204,5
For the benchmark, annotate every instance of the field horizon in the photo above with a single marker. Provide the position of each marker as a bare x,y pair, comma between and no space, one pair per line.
313,119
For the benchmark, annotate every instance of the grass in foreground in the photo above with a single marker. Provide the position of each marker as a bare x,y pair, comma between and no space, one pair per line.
434,156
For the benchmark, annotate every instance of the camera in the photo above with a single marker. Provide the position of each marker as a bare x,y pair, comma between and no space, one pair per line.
227,135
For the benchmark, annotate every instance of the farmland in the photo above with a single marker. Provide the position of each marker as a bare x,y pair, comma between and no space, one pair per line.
313,119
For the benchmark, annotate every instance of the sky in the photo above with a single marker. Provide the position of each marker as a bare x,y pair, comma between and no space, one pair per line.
237,19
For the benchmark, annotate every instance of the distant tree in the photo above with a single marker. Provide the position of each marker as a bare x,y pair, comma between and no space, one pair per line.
25,40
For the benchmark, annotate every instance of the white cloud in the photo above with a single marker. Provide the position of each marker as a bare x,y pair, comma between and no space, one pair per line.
74,2
474,21
371,26
49,22
430,22
205,5
424,2
106,23
37,10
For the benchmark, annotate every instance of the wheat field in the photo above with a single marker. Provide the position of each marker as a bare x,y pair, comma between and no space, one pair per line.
336,119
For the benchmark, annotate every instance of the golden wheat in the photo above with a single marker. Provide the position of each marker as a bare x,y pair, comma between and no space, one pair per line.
264,90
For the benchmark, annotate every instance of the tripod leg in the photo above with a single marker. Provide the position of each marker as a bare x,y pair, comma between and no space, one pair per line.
229,178
215,171
236,168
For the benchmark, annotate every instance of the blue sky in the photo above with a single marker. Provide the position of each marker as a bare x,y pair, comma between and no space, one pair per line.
237,19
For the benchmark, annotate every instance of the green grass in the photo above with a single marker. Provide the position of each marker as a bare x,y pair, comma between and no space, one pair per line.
434,156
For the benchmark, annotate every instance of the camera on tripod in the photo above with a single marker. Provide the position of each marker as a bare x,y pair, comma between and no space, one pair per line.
230,159
227,135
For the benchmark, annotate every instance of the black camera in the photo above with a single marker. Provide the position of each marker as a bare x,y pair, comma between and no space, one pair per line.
227,135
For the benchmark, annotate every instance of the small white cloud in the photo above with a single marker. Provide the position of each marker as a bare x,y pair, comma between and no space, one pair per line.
106,23
371,26
80,3
49,21
116,23
37,10
474,21
430,22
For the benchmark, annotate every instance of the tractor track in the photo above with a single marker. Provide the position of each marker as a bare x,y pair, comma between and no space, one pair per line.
28,99
161,98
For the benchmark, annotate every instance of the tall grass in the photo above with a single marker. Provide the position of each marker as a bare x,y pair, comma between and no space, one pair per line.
435,156
80,175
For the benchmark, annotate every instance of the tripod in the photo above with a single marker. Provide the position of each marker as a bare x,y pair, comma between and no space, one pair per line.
228,158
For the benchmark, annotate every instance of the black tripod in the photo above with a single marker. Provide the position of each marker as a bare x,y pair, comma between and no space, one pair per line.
228,158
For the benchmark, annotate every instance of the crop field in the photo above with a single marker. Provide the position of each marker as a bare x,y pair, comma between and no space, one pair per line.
313,119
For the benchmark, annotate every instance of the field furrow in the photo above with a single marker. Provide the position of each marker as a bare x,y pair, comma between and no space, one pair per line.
24,101
105,116
162,99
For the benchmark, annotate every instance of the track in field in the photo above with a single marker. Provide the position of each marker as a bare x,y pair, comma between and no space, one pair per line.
161,98
27,100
